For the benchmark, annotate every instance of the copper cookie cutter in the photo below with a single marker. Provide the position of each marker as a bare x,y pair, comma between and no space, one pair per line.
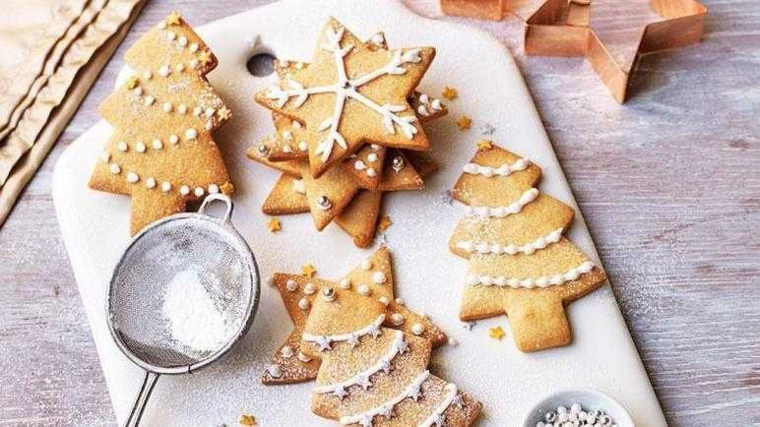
548,34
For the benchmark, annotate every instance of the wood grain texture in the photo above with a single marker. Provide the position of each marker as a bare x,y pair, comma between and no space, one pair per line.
669,184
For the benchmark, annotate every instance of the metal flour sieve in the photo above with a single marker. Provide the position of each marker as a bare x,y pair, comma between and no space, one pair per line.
228,278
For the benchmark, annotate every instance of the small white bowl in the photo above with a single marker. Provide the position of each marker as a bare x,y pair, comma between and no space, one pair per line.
588,398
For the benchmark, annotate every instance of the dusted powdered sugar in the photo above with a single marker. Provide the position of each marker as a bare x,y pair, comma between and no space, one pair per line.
195,320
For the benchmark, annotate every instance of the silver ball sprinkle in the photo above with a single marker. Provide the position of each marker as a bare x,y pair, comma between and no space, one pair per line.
328,294
324,203
398,164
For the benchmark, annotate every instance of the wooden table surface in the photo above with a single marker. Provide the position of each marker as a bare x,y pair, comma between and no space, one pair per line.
669,184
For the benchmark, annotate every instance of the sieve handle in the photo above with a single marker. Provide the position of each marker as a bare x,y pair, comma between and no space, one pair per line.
142,399
222,198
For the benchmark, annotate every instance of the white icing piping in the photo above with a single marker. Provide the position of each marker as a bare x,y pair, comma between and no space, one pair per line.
437,418
503,170
503,211
541,282
497,248
346,88
413,391
398,346
324,342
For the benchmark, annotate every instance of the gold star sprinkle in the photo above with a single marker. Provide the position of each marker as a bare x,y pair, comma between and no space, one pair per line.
449,93
485,144
204,57
308,270
248,420
496,333
227,188
464,122
274,225
384,223
224,113
173,18
133,82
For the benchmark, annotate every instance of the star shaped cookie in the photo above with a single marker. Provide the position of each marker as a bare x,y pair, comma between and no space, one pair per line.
352,94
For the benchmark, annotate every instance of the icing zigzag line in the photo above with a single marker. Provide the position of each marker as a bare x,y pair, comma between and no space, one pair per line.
413,391
325,341
504,170
498,248
398,346
541,282
436,418
503,211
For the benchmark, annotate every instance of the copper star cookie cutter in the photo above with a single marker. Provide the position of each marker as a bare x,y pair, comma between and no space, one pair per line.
561,28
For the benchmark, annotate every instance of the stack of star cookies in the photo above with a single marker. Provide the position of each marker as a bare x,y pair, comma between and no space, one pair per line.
348,129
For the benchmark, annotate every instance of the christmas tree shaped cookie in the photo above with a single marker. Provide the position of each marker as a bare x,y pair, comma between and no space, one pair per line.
519,262
369,353
372,278
351,94
161,152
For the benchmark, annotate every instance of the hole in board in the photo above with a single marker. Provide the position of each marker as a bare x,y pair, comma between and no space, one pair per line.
261,64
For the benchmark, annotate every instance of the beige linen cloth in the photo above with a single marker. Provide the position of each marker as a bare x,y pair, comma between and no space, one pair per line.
51,51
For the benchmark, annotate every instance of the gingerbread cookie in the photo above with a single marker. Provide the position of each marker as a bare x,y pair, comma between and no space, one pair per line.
368,352
351,94
161,152
519,262
287,197
372,278
340,121
359,217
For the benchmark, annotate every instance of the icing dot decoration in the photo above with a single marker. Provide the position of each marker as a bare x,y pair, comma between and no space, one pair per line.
397,319
418,329
364,290
379,277
309,289
132,177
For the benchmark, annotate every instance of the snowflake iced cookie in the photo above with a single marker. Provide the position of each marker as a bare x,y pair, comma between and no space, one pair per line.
288,143
368,353
519,262
347,126
352,94
161,152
